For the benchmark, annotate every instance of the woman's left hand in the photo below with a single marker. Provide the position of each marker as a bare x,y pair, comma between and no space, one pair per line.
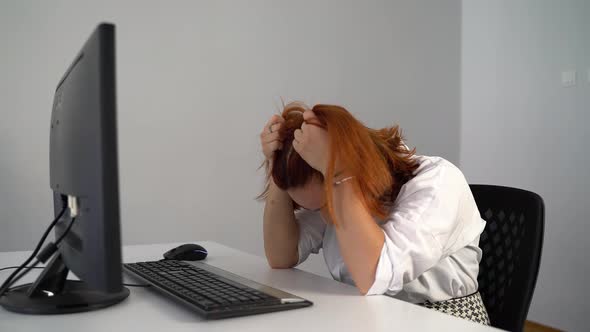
312,142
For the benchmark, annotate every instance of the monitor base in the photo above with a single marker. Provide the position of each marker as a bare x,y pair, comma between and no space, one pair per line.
53,293
75,297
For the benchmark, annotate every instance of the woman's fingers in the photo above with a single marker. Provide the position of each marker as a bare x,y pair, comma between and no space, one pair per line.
275,145
270,137
271,130
275,119
275,127
298,140
297,146
271,133
270,148
270,144
298,136
308,115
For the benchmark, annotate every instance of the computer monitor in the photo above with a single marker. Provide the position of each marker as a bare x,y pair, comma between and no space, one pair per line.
84,176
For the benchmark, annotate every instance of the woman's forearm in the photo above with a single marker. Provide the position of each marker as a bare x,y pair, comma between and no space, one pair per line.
281,232
360,238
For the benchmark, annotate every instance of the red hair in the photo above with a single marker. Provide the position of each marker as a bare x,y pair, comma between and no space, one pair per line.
378,159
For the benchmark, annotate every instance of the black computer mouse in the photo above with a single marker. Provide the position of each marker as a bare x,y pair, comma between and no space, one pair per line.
187,252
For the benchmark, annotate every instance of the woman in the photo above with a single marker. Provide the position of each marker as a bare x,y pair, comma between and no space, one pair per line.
388,221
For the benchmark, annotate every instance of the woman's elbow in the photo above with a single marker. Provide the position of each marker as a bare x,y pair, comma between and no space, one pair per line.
364,286
275,265
364,290
281,263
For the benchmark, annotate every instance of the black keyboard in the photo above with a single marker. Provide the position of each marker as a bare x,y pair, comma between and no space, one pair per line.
212,292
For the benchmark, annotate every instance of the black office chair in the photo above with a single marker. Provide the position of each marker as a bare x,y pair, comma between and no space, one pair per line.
511,243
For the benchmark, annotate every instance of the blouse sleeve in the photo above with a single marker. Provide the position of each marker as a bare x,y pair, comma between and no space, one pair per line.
311,233
433,216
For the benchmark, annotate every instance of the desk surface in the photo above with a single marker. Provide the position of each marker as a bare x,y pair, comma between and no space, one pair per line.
337,306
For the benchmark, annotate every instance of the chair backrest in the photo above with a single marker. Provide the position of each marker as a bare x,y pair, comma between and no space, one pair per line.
511,243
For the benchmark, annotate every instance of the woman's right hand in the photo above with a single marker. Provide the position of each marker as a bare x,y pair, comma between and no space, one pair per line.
269,137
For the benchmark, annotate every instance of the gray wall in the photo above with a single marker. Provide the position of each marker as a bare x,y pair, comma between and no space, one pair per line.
196,82
521,128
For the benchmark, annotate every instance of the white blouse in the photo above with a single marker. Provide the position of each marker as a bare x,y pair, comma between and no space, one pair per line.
431,238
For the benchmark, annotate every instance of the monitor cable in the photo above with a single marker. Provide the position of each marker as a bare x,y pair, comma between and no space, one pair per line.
16,267
41,255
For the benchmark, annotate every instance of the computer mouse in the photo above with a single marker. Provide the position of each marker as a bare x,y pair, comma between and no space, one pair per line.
187,252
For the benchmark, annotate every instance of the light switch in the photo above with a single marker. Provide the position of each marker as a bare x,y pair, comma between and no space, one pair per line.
568,78
588,75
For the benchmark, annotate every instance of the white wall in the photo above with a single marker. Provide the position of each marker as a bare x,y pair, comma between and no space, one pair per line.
520,128
197,81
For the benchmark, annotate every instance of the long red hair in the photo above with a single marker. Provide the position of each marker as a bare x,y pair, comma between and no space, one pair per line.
377,158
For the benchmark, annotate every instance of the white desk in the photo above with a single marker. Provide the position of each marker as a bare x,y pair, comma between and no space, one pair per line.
337,306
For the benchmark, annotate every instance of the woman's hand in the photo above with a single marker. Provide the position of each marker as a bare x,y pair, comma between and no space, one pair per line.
269,137
312,142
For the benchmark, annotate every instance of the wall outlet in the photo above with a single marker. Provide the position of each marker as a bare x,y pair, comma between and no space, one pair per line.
568,78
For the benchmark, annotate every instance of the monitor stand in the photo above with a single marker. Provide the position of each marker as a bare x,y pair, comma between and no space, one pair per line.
52,293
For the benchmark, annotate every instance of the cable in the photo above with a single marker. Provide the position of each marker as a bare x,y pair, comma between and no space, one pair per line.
65,233
16,267
47,252
22,274
43,256
8,281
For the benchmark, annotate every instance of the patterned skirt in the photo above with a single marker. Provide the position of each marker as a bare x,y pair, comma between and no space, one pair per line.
468,307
